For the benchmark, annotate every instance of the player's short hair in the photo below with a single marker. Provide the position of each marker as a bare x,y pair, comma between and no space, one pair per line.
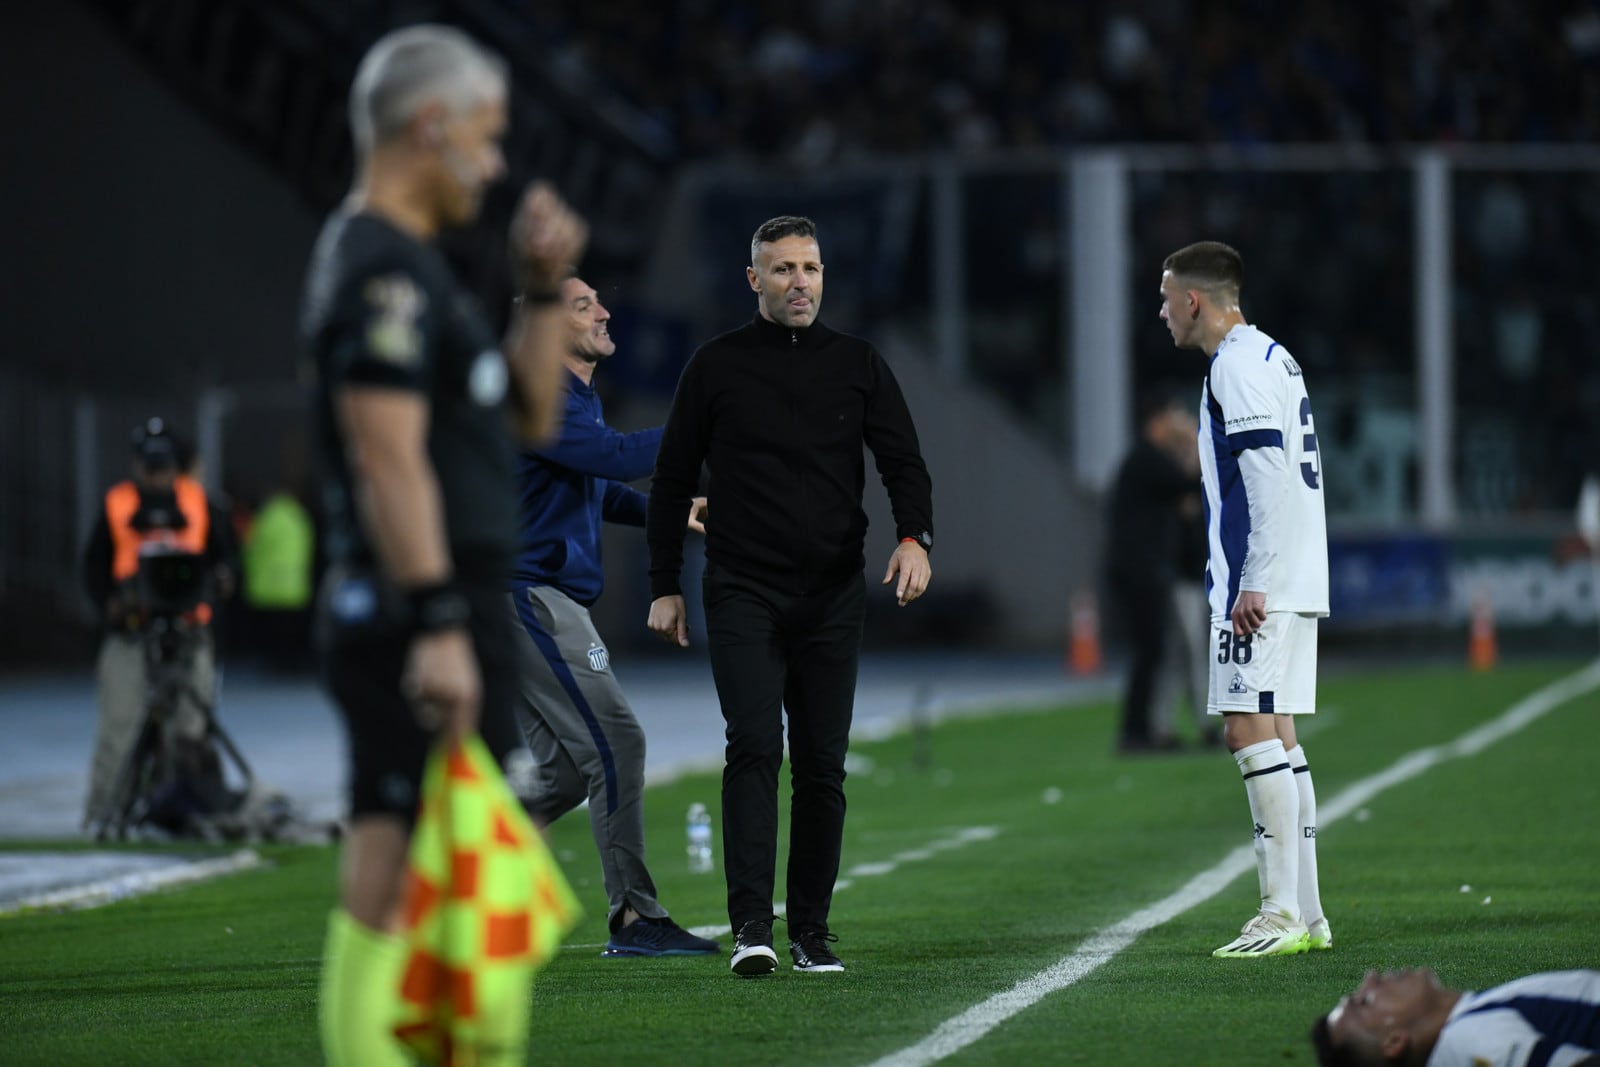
408,68
1210,266
1329,1054
779,228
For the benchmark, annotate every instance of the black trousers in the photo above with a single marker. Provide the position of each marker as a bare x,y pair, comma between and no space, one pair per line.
1145,610
771,652
362,665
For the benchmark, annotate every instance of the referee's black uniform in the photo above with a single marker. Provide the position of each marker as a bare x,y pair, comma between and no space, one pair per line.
778,415
382,309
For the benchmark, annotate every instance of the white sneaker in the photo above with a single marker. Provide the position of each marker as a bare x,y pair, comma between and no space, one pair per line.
1321,934
1267,935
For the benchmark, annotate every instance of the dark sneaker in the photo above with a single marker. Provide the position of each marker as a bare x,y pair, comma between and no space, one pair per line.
811,952
657,937
752,950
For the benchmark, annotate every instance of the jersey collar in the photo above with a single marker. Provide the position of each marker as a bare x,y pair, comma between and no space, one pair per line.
771,333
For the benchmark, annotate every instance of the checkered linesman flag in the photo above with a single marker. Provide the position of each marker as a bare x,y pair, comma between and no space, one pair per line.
485,906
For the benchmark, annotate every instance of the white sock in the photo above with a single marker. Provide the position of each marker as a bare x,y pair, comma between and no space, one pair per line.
1310,895
1275,809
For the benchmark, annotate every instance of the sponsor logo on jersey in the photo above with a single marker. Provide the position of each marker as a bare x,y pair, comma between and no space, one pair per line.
393,335
487,382
1237,686
1261,831
599,659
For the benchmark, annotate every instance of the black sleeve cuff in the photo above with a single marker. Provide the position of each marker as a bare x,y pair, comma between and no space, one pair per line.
436,608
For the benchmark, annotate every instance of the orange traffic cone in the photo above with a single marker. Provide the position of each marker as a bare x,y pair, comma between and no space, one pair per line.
1083,648
1482,649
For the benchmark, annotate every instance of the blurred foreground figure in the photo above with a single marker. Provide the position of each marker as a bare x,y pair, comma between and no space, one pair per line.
1407,1017
418,466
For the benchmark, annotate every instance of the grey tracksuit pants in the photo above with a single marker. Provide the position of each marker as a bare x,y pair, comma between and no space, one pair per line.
584,739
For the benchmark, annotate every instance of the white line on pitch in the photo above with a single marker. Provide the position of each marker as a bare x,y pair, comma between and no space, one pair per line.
134,884
971,1025
960,839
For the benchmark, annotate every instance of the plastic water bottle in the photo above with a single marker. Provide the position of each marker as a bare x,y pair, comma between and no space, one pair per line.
699,834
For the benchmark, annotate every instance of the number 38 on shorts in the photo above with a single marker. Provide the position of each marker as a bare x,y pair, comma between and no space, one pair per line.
1272,671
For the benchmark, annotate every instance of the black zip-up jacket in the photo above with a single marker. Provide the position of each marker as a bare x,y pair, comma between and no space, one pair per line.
778,416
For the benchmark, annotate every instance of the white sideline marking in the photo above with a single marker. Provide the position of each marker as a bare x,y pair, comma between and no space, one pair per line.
960,839
872,870
137,883
971,1025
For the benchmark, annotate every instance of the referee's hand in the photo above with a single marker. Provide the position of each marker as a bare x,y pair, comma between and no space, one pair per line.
442,683
669,619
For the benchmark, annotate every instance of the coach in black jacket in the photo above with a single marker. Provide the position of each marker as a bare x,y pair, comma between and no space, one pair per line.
778,411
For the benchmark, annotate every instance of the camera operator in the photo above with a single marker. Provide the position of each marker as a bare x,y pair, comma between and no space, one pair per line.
157,559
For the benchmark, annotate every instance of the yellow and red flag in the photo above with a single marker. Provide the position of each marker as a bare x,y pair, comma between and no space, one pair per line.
485,906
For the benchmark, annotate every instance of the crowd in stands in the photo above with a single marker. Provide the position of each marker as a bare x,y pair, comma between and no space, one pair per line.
812,85
816,82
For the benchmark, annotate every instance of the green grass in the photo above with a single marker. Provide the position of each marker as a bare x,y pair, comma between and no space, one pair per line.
226,973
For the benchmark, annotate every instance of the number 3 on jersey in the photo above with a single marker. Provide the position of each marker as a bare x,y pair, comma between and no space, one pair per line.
1311,466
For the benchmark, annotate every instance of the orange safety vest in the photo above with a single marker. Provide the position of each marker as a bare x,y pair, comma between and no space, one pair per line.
122,503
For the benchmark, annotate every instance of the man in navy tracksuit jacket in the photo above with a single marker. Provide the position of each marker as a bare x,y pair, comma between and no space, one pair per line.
585,739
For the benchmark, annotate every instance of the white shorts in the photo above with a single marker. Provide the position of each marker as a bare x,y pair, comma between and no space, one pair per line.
1273,671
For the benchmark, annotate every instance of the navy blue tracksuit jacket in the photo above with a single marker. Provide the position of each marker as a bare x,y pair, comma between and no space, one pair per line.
567,489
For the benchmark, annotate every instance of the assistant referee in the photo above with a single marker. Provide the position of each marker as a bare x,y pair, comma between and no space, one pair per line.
419,466
778,411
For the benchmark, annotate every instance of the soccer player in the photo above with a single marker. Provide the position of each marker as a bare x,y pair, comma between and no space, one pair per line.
1407,1017
418,466
778,411
584,737
1266,579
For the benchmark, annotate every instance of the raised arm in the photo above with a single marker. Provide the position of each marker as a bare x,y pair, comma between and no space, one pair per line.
594,448
547,239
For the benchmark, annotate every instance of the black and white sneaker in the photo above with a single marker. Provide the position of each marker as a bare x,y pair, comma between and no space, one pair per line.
811,952
752,950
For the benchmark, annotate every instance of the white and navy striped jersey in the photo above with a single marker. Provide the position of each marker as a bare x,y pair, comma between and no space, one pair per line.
1255,398
1543,1020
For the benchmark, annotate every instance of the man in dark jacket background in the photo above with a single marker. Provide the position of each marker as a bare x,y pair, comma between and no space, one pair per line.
1145,543
778,411
585,740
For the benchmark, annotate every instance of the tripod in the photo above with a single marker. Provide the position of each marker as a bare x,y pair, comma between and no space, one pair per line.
174,773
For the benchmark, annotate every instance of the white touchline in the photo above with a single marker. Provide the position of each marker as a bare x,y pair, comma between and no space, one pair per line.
110,890
960,839
971,1025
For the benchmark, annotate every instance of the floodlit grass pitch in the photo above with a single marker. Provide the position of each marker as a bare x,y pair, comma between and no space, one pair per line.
226,973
